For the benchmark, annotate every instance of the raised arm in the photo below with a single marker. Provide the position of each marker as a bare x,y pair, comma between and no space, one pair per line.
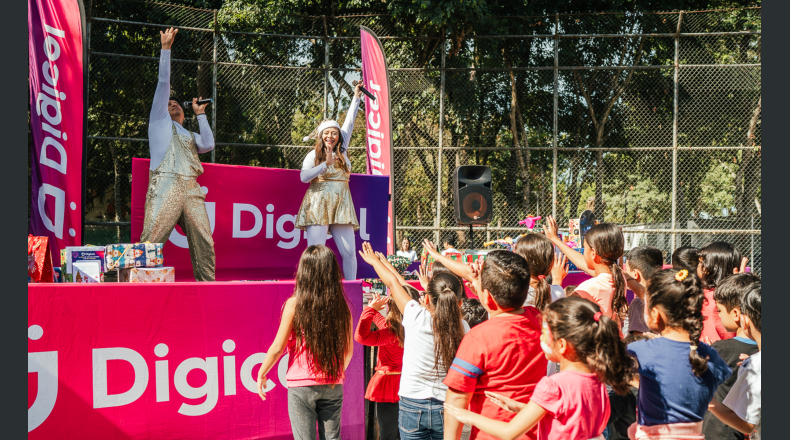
162,94
576,258
391,268
373,338
205,141
399,294
457,267
351,116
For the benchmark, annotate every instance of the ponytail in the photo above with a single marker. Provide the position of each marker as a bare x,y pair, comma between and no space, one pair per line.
445,291
595,338
619,301
679,294
538,250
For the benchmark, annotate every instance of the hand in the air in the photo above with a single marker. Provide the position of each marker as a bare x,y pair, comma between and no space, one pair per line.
560,269
167,38
199,109
357,91
368,255
378,302
550,228
430,247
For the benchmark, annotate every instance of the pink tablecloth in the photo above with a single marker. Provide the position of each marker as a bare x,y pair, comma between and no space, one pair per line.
164,361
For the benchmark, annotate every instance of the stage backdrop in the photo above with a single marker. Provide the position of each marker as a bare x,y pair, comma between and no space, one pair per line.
56,121
165,361
378,119
252,211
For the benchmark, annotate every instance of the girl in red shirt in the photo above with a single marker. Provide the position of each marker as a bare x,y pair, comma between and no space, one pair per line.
383,386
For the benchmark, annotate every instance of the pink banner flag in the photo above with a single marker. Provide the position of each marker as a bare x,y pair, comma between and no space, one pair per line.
56,120
378,119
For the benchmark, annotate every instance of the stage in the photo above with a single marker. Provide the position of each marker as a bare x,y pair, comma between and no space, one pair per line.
165,361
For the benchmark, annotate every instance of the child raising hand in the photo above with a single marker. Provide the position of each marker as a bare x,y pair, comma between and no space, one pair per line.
572,403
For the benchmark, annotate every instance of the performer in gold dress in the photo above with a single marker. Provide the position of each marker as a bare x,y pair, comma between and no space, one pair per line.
327,205
174,196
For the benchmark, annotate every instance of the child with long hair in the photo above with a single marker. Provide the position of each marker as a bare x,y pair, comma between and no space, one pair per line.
717,261
434,334
678,374
316,328
383,386
539,253
603,247
572,404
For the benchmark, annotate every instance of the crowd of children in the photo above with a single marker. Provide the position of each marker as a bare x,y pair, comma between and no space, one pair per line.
529,359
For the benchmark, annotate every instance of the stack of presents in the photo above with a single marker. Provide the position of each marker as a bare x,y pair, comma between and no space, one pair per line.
131,263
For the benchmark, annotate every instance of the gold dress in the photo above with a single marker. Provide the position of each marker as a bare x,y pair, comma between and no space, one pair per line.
328,201
174,197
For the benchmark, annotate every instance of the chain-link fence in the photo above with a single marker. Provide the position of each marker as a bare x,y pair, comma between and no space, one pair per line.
652,120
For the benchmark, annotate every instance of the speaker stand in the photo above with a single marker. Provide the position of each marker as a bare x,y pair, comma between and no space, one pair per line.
471,238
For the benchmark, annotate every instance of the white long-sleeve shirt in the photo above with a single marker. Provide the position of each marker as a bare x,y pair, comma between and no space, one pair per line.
309,170
160,128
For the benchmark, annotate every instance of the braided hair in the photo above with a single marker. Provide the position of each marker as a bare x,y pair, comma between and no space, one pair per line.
679,295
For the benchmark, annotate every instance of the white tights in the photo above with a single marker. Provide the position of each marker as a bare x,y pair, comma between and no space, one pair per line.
344,240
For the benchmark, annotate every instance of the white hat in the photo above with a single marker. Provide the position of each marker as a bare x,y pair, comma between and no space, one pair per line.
329,123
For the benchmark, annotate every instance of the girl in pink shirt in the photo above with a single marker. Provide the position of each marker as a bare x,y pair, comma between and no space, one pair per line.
572,404
317,330
603,247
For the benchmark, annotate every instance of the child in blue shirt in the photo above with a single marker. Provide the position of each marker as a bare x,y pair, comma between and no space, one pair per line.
678,374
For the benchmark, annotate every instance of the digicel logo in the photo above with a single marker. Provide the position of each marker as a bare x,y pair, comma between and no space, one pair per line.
45,365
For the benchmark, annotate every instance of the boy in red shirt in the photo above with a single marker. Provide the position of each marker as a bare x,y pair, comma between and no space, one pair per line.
501,355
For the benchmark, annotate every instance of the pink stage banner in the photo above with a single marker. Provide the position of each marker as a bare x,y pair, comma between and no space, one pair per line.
56,121
165,361
252,212
378,119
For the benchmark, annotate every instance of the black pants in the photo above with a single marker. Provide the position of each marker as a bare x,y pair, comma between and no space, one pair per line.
387,418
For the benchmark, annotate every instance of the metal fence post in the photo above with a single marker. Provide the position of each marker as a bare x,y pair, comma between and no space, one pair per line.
214,88
554,134
438,222
675,139
326,67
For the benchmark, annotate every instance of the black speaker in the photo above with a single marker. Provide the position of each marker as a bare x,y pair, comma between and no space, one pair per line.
472,201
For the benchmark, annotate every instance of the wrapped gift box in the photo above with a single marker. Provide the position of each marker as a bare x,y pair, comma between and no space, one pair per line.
126,255
147,275
87,258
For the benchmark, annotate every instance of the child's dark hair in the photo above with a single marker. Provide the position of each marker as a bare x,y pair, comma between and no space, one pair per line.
729,291
596,341
608,241
645,259
570,290
751,300
539,253
445,291
449,238
437,267
686,257
395,317
474,312
718,260
679,294
506,276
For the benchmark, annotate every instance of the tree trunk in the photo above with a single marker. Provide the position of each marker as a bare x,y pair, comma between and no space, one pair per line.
747,180
522,163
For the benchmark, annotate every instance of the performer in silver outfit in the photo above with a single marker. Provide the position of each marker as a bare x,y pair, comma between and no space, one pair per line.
174,196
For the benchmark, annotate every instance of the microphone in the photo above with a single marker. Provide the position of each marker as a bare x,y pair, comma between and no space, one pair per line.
188,104
364,90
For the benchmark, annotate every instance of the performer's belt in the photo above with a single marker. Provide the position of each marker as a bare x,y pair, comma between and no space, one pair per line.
388,373
172,175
